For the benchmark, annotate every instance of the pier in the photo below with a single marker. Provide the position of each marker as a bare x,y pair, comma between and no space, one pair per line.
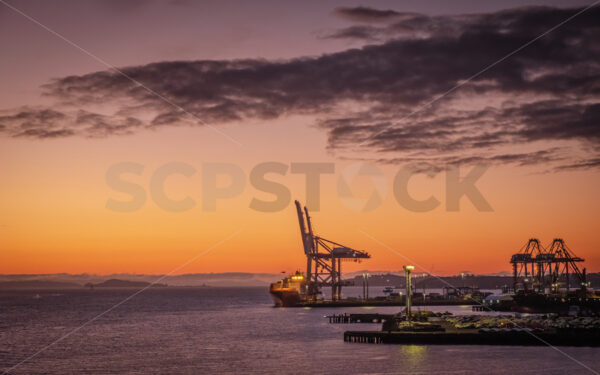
383,302
359,318
520,337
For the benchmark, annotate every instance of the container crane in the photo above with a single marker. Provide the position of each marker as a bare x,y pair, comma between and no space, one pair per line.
323,258
539,268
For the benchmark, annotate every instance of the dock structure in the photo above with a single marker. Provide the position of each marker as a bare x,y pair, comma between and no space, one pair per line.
382,302
520,337
359,318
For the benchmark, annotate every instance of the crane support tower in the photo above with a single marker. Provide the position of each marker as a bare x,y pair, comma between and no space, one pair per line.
323,258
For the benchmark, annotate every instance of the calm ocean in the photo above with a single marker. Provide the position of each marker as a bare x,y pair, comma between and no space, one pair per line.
230,330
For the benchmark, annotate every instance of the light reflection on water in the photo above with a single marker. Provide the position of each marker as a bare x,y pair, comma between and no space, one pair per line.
415,354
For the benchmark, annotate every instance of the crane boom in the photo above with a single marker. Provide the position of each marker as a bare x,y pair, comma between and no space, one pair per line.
303,232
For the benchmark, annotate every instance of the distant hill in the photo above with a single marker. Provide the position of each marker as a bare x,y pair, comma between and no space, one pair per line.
117,283
242,279
37,284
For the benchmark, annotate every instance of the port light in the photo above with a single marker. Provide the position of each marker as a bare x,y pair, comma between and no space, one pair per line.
409,268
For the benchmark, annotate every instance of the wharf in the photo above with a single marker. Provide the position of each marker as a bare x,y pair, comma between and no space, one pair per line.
359,318
383,302
479,337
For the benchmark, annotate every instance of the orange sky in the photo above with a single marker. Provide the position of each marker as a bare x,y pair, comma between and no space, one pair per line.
55,220
53,193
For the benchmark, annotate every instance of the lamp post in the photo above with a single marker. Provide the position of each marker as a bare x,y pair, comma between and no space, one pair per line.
407,270
365,286
364,295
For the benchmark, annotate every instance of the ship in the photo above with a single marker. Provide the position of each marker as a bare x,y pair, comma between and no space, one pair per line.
289,291
577,303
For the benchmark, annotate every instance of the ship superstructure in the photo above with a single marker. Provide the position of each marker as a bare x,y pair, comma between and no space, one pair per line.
289,291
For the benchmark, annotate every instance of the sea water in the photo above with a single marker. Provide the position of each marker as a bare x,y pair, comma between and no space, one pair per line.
230,330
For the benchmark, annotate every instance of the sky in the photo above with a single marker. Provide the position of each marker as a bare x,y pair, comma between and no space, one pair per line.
506,93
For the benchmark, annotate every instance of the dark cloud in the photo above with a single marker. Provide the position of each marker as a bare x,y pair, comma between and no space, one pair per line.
586,164
396,25
366,14
547,93
432,166
48,123
530,21
42,133
544,120
34,123
360,32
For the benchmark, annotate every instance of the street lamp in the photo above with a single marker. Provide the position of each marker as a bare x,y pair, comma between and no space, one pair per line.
407,270
365,286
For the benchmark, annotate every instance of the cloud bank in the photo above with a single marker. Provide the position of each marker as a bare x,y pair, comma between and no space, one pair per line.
540,106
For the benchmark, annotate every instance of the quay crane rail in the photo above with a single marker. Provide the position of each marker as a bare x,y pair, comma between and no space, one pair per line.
324,258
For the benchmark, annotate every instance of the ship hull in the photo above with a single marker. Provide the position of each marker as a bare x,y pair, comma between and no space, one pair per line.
285,297
539,303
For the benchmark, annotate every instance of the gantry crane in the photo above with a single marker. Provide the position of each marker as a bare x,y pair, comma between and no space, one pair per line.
323,258
524,264
538,268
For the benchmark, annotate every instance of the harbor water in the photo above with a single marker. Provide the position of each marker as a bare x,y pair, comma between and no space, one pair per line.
231,330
